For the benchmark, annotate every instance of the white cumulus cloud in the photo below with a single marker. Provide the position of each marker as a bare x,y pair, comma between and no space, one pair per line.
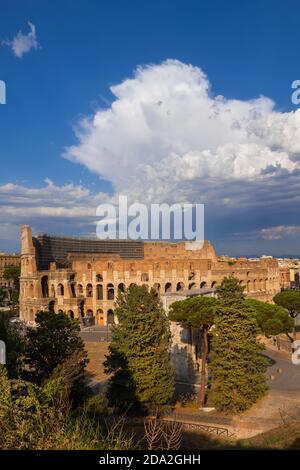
167,137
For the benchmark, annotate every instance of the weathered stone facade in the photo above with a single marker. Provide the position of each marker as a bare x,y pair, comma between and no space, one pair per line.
6,260
82,277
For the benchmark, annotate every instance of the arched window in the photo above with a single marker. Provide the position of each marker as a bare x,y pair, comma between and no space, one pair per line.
99,317
168,287
51,306
31,315
52,291
110,317
99,291
44,285
110,292
31,291
192,286
72,285
89,290
99,278
180,286
81,308
156,287
203,284
214,284
121,287
71,314
60,289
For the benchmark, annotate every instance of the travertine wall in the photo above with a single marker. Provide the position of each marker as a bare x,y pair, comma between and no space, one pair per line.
89,283
7,259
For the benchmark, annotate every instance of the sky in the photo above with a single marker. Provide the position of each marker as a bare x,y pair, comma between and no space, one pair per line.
162,101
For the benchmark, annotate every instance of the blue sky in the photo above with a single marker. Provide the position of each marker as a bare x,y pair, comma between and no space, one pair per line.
246,49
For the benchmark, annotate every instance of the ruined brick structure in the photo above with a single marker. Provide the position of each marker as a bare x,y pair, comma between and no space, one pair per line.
83,277
7,260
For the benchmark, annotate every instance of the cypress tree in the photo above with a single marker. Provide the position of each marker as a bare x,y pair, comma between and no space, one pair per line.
237,367
139,353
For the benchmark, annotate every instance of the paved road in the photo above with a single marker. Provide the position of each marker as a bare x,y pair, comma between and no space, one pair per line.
93,334
289,378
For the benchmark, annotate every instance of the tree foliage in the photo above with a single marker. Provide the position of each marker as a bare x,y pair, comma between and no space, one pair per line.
230,291
54,340
237,366
289,300
271,319
13,272
36,417
139,353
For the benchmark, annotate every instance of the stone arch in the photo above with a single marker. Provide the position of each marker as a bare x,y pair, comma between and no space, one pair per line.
81,308
60,311
99,291
51,306
214,284
71,314
110,291
192,286
203,284
72,285
31,293
31,315
156,287
168,287
52,291
110,317
89,313
60,289
121,287
99,317
99,277
44,285
89,290
180,286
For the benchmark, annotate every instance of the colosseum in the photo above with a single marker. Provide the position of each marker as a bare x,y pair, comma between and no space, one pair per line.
83,276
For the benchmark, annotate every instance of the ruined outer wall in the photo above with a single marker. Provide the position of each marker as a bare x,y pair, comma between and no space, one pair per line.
88,283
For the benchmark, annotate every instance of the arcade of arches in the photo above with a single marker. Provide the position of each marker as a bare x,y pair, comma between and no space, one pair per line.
87,285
